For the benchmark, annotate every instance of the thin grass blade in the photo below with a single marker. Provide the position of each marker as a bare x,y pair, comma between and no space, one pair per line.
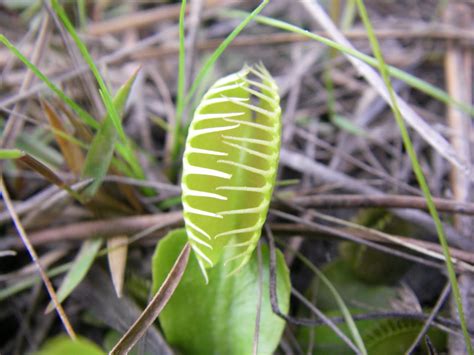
418,172
340,302
75,107
9,154
205,69
106,96
411,80
78,270
100,154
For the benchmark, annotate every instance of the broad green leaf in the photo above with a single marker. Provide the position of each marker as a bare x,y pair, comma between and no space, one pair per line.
63,345
380,336
78,270
102,147
219,318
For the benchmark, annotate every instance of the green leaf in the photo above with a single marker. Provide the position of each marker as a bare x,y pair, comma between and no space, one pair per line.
230,164
62,345
78,270
101,151
11,154
219,318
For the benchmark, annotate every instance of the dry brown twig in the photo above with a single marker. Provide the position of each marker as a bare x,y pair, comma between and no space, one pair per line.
427,32
105,228
384,201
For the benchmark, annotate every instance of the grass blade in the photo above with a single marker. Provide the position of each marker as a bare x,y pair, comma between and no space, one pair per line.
207,66
8,154
180,100
418,172
340,302
75,107
78,270
435,139
222,47
124,147
38,166
411,80
105,93
101,151
27,282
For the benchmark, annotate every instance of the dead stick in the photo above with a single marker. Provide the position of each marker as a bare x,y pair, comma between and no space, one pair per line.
145,18
104,228
384,201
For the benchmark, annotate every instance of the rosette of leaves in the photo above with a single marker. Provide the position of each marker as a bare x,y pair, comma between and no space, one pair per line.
229,166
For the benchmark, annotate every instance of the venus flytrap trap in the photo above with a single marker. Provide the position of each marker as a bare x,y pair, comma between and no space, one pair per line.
229,166
229,170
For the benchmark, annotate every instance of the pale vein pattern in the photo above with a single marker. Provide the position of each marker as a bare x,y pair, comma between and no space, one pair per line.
229,166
